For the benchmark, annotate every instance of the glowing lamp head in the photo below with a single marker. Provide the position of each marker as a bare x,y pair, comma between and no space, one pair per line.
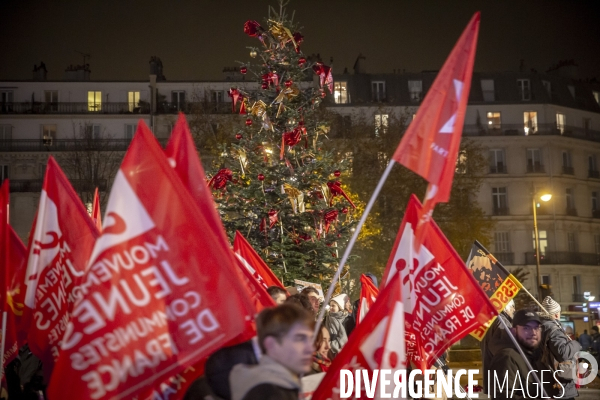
546,197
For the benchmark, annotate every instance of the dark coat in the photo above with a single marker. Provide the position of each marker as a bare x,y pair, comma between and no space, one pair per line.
269,391
492,343
219,366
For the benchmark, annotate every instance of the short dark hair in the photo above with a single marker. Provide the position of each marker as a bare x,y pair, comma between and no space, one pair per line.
277,321
309,289
300,301
275,290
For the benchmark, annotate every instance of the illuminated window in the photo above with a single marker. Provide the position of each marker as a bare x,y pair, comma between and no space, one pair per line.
415,90
487,87
560,123
381,123
48,134
340,93
494,121
543,238
94,101
378,90
524,89
133,100
530,122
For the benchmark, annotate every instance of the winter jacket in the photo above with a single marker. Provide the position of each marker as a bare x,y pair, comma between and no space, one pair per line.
335,325
492,343
558,347
585,340
509,362
268,380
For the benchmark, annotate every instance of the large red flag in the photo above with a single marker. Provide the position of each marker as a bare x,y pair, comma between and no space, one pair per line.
61,242
443,302
260,269
368,295
431,143
96,215
158,295
376,343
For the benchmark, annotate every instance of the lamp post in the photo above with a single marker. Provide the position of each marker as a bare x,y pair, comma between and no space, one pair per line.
544,197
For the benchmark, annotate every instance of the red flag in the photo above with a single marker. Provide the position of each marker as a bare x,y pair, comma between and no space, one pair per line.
158,295
376,343
257,291
431,143
61,242
259,269
96,215
368,295
442,300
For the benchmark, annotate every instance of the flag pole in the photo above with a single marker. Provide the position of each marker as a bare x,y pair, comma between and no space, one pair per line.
3,344
535,375
359,226
441,366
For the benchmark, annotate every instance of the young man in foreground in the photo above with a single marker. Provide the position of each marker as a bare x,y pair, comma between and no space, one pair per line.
285,335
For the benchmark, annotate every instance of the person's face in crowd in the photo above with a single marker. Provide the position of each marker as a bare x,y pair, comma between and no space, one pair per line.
325,344
314,300
294,350
279,298
348,305
334,306
529,335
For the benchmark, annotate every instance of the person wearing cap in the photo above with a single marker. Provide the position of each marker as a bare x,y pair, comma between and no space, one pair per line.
335,323
492,341
508,362
558,347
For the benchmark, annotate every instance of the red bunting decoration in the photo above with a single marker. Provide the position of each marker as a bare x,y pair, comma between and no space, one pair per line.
219,181
335,187
273,219
325,76
330,217
252,28
235,97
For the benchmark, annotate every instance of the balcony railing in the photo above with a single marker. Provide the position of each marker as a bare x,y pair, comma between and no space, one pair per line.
501,211
497,169
593,174
535,168
564,257
568,170
538,129
195,107
35,145
571,211
74,108
35,185
595,213
505,258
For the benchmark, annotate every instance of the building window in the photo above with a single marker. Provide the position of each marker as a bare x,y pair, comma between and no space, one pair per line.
597,243
487,87
572,90
499,201
94,101
3,172
587,125
524,89
596,96
381,123
594,201
576,284
216,96
494,121
548,88
6,100
497,161
378,90
178,99
567,166
5,132
530,122
130,131
415,90
534,160
560,123
51,100
133,100
570,202
543,239
96,131
502,242
48,134
340,93
546,280
593,167
572,242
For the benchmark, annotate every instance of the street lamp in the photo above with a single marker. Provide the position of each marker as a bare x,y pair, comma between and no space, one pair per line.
543,197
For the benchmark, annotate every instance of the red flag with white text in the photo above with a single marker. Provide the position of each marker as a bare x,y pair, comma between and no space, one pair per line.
442,300
368,295
96,214
432,140
60,244
158,295
260,270
376,343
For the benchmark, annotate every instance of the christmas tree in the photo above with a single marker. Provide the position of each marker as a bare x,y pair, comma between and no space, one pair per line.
276,184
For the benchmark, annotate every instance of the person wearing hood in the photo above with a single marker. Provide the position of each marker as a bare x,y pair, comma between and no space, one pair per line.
558,347
285,335
335,323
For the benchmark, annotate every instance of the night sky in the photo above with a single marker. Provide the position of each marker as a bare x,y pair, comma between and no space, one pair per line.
196,39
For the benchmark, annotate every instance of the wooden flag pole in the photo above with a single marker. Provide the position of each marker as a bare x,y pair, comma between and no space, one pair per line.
3,344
